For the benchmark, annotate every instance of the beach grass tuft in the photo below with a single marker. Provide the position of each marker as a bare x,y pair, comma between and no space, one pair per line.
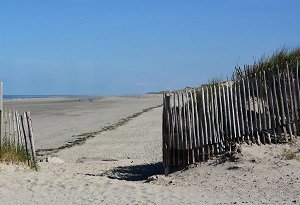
11,154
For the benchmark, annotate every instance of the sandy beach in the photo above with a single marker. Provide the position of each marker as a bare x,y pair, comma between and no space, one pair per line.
123,164
58,121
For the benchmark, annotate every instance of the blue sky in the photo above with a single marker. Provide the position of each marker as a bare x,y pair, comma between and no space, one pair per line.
135,46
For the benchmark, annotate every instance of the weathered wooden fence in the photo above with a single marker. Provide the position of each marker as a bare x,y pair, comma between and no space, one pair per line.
16,133
201,123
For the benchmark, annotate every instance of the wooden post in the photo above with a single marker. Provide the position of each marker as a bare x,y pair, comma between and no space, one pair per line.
5,135
19,144
221,119
178,128
286,107
258,123
254,112
217,112
225,119
213,127
250,110
31,140
246,122
197,124
290,95
267,108
190,147
236,112
229,117
166,135
232,112
1,117
180,113
14,130
296,112
241,113
297,95
9,127
185,126
276,108
194,125
201,123
23,118
173,125
283,120
205,125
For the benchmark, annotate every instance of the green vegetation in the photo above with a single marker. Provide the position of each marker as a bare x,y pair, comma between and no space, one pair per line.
289,154
267,63
10,154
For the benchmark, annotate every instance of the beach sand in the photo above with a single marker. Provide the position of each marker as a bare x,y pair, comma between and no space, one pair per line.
58,121
123,165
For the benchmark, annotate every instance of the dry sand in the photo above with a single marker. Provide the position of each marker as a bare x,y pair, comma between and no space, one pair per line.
58,121
113,168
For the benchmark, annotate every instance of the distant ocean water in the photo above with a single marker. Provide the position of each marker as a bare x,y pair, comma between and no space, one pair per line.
19,97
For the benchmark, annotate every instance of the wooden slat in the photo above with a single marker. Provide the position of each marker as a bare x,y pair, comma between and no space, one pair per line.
241,112
290,96
197,144
270,108
180,130
31,140
174,139
246,121
263,98
257,110
202,127
276,109
19,133
205,124
23,123
286,101
233,118
185,127
217,124
167,131
236,112
230,133
10,127
227,136
1,117
191,130
298,94
213,125
294,93
249,110
207,110
222,132
283,120
14,130
255,130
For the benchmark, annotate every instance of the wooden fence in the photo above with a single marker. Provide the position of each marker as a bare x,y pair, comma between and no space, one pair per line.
16,133
201,123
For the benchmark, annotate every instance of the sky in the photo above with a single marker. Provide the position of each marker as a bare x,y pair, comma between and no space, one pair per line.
94,47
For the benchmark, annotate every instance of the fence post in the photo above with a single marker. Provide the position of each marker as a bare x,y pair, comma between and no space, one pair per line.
31,140
1,116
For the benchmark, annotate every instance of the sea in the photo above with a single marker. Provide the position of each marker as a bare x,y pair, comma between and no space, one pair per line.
19,97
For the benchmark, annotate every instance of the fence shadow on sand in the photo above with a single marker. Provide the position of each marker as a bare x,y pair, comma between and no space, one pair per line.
136,172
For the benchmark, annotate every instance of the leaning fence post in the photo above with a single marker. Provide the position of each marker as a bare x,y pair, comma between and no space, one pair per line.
30,131
25,140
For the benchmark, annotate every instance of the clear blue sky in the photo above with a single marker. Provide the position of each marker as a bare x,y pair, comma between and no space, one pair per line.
135,46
